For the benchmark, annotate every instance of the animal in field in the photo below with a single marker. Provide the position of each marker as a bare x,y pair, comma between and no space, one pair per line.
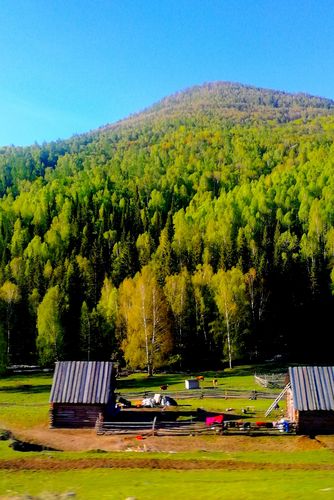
164,387
200,378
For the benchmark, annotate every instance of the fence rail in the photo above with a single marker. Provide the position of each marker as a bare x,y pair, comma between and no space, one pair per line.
124,427
47,404
157,428
203,394
188,428
272,380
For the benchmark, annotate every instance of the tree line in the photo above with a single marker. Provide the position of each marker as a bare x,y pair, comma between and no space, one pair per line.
180,239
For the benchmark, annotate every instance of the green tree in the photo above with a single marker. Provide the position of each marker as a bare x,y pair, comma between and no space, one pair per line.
177,292
85,332
10,294
144,246
49,327
202,287
107,308
3,350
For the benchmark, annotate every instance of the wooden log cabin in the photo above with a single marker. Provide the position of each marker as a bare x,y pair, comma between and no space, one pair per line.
310,399
81,391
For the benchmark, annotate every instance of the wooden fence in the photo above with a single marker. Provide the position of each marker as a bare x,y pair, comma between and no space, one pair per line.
125,427
272,380
188,428
157,428
202,394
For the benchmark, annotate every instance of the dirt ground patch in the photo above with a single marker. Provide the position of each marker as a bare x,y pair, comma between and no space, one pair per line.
326,441
86,439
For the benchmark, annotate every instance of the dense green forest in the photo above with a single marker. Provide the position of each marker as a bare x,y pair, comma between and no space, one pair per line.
196,233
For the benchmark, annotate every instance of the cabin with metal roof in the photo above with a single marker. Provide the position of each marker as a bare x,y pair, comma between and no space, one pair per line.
310,399
81,392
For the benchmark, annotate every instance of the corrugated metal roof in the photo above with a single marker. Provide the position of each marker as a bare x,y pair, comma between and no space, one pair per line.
312,387
82,382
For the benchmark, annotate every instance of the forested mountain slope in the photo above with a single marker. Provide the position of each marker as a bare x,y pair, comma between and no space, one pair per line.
198,231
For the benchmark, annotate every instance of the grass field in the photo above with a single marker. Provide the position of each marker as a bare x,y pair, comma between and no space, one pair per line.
174,485
245,472
236,378
24,398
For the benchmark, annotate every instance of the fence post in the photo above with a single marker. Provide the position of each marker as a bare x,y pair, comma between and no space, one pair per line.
99,424
51,416
153,425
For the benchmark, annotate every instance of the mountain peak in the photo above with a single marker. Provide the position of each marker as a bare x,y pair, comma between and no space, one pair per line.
234,102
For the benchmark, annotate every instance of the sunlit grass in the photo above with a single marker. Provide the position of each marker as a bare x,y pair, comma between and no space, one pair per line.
240,378
24,398
146,484
22,416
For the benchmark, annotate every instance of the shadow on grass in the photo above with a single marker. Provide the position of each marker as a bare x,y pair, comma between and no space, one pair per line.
244,370
19,445
144,382
27,388
140,381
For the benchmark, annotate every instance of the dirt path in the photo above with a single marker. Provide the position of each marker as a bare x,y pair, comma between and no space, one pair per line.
86,439
149,463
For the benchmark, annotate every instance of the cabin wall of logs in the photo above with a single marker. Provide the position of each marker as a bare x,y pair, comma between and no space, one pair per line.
310,403
315,422
74,415
80,391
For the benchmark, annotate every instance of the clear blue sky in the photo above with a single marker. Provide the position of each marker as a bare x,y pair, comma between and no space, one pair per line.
69,66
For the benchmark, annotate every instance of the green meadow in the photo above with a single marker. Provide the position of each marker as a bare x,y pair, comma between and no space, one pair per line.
143,484
24,405
24,398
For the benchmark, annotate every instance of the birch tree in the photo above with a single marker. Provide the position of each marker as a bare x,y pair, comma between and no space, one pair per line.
229,294
143,307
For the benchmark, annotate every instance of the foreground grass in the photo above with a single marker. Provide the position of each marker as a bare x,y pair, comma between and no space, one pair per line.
320,456
154,484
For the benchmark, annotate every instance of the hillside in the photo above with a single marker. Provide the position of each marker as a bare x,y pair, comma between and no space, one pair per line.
196,232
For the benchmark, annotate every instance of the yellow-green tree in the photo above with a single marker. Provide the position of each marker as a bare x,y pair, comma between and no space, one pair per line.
49,327
177,292
144,246
10,294
147,329
107,305
201,281
229,287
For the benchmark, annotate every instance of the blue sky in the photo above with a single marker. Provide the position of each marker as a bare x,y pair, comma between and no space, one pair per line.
69,66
